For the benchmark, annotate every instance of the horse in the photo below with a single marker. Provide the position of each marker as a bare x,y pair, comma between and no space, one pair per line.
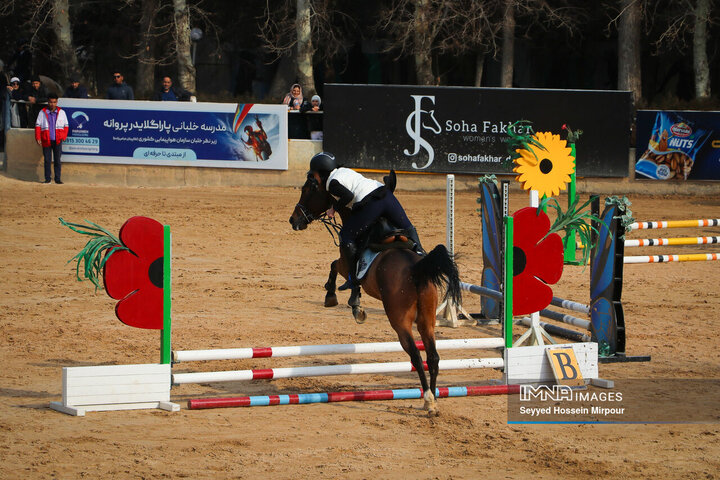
405,282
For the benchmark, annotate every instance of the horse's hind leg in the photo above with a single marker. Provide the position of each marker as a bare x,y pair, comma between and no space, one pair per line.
408,344
427,333
330,297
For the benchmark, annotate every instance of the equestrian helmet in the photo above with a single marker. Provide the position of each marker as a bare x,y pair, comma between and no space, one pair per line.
323,162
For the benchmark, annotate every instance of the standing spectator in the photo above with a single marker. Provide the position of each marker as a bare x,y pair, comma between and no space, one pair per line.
120,90
75,90
51,128
169,93
295,98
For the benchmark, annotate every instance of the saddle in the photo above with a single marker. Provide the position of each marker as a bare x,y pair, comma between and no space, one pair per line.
381,236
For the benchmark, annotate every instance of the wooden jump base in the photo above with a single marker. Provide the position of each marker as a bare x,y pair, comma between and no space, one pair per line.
361,396
691,257
325,370
710,222
347,348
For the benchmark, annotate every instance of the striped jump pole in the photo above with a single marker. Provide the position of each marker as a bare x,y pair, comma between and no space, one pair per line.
708,222
657,242
347,348
325,370
690,257
361,396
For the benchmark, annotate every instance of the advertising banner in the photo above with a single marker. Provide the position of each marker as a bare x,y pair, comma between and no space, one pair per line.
176,133
678,145
464,130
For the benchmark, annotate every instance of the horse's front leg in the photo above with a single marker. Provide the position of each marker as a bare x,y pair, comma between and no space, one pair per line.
330,297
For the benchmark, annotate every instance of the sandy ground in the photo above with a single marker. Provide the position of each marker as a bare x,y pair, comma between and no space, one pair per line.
243,278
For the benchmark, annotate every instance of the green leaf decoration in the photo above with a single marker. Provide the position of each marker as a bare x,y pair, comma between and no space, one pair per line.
97,250
575,221
572,135
623,205
522,140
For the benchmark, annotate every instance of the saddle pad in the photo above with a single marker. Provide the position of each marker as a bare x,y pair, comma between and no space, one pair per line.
367,257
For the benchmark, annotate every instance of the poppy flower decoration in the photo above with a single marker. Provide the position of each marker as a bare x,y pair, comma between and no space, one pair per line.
547,171
135,276
537,261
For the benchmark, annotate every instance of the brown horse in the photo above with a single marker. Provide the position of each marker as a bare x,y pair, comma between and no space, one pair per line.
406,283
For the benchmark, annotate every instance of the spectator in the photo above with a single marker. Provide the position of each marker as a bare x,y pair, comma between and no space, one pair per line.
36,96
51,128
18,110
294,99
314,120
37,93
169,93
120,90
75,90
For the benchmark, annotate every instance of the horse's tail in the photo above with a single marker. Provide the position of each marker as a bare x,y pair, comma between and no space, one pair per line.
439,268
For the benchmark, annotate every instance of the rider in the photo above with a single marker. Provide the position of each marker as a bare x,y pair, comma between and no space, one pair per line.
368,200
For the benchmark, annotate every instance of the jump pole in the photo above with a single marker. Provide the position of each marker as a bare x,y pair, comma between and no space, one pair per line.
661,242
361,396
707,222
332,349
691,257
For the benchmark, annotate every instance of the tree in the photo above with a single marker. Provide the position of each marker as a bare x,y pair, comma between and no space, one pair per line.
629,58
508,44
63,32
145,78
700,57
305,48
186,69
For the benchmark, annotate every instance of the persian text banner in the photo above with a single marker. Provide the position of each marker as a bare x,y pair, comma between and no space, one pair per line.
176,133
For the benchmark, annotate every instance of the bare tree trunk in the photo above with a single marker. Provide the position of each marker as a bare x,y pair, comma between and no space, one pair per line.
284,77
423,44
305,48
63,32
700,58
479,67
186,69
629,71
508,45
145,81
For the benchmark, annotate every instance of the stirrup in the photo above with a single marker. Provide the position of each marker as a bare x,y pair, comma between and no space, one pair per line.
347,285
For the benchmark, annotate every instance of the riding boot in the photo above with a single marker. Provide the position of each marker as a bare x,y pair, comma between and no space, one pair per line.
349,251
412,235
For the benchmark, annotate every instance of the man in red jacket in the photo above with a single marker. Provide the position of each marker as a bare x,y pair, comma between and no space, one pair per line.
51,128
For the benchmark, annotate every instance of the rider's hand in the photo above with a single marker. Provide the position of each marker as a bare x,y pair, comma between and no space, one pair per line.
331,212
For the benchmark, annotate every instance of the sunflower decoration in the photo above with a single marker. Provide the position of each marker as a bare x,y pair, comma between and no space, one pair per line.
544,164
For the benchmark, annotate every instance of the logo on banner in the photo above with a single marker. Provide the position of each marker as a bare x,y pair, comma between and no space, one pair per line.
418,121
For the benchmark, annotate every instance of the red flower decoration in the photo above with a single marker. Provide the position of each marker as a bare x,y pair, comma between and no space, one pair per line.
536,261
135,277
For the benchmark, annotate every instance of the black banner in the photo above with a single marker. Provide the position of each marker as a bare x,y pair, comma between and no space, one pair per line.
464,130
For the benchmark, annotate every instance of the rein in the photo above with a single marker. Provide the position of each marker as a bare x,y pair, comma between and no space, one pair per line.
330,224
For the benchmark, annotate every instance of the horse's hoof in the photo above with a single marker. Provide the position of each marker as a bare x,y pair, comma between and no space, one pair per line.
359,315
331,300
430,404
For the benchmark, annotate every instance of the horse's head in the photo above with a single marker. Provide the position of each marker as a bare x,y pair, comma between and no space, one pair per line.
314,202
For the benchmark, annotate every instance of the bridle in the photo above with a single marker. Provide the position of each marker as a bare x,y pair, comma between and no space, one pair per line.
332,226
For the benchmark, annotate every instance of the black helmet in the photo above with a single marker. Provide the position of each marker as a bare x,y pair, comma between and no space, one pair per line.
323,162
